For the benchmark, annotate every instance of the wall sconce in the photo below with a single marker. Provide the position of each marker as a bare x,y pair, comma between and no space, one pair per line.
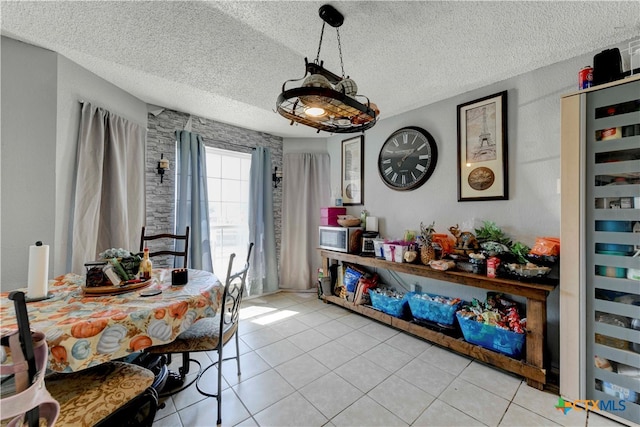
163,165
277,177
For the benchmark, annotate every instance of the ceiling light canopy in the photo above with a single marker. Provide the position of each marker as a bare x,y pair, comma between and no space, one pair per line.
326,101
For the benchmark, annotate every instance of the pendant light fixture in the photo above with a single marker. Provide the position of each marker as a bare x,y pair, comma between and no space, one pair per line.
324,100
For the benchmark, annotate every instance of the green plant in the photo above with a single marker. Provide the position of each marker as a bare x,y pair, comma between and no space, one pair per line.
490,232
520,250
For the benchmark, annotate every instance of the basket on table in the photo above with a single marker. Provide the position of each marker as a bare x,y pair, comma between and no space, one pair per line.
348,221
433,308
389,301
489,336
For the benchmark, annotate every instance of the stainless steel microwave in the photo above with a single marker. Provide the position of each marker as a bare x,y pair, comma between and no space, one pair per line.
338,238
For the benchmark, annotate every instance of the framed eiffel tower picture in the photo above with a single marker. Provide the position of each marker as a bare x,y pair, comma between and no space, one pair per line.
482,149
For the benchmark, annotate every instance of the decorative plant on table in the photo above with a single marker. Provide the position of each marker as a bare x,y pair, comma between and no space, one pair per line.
520,250
427,251
492,239
125,262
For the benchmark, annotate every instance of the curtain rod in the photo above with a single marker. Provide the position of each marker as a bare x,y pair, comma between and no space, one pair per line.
227,143
82,101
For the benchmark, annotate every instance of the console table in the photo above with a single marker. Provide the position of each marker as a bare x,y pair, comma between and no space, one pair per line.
532,368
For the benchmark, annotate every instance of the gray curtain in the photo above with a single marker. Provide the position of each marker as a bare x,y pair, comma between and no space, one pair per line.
109,196
192,205
263,275
306,189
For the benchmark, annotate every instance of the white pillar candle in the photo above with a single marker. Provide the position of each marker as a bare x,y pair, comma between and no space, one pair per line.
38,277
371,223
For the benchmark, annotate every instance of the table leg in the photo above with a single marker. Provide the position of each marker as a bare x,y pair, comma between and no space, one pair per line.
536,325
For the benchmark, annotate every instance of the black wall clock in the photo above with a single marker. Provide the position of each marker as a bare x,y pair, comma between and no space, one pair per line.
407,158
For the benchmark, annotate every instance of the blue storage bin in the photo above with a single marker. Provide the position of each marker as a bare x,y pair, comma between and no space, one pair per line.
614,249
388,304
433,311
488,336
618,226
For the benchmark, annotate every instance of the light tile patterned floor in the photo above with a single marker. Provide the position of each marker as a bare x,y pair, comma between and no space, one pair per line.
307,363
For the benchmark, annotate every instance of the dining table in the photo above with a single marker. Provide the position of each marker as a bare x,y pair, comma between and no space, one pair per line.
87,327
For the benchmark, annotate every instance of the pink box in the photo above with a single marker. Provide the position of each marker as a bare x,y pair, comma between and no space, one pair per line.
329,220
332,211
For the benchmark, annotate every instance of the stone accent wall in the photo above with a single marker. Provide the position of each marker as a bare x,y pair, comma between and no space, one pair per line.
160,197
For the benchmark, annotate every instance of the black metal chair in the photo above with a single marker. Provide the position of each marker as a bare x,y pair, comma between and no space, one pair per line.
212,333
170,241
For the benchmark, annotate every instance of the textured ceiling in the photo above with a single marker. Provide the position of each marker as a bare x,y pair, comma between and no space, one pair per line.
227,60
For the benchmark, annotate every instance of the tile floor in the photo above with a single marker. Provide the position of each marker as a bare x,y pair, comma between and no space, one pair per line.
307,363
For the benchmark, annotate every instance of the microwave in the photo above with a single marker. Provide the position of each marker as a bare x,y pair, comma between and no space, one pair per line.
340,239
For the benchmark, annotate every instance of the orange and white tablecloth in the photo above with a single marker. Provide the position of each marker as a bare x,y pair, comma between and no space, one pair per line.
83,330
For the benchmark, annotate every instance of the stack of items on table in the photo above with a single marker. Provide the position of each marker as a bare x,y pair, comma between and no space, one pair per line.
355,285
487,251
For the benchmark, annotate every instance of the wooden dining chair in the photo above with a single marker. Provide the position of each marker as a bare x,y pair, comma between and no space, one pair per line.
212,333
166,244
112,393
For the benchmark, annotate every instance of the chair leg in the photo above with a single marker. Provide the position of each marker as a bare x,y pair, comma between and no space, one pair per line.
184,369
238,352
177,382
219,396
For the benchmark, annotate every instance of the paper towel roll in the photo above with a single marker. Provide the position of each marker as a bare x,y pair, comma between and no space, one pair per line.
371,224
38,278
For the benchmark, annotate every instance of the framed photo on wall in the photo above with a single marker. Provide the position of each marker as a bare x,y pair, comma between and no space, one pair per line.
352,171
482,149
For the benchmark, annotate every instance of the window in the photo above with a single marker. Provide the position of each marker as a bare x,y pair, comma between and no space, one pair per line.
228,187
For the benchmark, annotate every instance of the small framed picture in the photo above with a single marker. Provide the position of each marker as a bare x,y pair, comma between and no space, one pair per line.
352,171
482,149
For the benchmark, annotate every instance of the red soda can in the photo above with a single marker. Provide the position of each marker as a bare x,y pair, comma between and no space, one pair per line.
585,78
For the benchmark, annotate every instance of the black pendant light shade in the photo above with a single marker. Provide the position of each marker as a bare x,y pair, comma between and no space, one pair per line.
324,100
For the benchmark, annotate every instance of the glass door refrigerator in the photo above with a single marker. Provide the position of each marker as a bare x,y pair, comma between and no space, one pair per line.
600,240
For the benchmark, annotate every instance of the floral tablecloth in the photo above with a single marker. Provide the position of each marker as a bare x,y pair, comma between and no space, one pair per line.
83,331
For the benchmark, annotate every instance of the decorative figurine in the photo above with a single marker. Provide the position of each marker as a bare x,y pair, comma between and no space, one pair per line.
466,242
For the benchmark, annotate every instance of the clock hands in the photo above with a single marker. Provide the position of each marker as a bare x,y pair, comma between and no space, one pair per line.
410,152
406,153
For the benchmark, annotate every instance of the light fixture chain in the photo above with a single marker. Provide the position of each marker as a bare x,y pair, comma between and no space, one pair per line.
340,51
320,44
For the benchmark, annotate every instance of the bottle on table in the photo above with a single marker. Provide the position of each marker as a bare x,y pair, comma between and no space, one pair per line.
145,265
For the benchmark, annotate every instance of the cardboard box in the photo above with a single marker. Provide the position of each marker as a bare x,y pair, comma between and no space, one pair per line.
329,215
332,211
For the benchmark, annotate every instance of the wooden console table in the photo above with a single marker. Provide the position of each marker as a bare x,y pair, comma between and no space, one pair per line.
532,368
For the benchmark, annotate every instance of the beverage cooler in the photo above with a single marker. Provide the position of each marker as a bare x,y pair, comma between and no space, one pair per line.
600,263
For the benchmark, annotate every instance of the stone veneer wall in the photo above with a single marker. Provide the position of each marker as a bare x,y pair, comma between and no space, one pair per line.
160,203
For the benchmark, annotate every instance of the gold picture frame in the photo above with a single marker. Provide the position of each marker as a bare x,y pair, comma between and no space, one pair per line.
482,149
353,171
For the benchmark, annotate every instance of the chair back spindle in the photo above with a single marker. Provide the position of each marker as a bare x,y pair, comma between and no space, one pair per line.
174,240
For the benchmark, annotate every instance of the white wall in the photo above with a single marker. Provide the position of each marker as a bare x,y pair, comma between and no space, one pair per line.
40,116
305,145
533,208
534,162
28,116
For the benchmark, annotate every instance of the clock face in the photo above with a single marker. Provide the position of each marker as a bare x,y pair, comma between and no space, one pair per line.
407,158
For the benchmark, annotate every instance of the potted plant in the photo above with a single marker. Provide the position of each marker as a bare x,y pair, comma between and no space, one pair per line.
492,239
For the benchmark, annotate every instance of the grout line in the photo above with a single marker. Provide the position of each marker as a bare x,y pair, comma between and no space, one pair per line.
344,320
